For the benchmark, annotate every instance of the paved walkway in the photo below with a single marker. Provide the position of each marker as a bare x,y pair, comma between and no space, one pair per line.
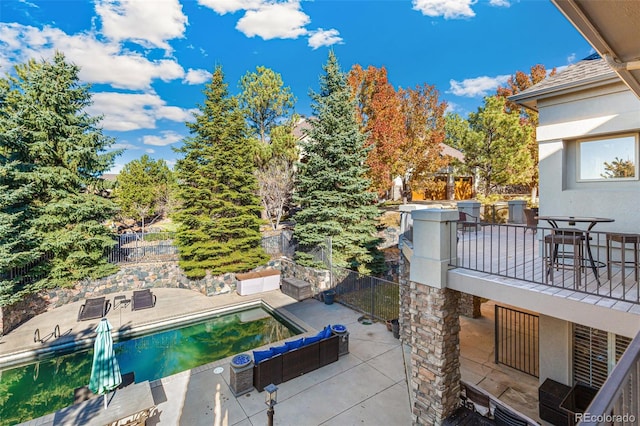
368,386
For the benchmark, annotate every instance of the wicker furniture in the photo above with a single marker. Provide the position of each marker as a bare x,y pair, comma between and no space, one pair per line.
295,362
297,289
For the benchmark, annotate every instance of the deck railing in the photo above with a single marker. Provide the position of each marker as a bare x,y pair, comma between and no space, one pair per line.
519,252
617,402
375,297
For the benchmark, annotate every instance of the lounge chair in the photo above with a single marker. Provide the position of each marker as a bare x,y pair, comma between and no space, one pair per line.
142,299
93,308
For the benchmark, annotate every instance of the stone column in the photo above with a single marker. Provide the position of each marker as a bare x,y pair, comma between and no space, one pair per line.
470,305
470,207
433,316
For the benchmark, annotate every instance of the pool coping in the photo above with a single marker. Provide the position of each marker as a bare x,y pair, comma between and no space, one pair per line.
27,356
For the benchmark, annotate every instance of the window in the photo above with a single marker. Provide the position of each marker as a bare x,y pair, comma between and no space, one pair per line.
614,158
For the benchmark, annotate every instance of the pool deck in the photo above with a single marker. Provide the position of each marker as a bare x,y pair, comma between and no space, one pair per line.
368,386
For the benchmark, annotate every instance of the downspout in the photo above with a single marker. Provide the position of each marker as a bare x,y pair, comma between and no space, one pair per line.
617,66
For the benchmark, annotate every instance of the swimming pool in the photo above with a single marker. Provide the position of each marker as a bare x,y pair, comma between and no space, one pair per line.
48,384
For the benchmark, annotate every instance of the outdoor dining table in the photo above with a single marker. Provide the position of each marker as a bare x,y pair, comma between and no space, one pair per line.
572,221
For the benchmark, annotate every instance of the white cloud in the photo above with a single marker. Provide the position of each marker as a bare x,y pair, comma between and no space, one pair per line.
166,137
123,145
274,20
449,9
500,3
196,76
571,58
150,24
150,151
322,37
229,6
476,87
129,111
108,63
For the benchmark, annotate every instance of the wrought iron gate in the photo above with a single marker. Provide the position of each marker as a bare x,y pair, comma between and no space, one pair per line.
516,340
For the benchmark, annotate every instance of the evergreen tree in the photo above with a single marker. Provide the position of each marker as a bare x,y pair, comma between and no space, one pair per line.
52,155
219,213
332,189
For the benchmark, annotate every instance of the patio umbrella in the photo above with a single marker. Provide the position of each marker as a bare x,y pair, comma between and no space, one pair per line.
105,371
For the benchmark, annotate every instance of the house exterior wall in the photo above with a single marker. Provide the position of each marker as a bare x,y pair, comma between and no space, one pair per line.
607,110
555,349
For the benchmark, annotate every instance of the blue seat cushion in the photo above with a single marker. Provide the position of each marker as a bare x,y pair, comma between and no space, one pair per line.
326,333
312,339
259,356
294,344
279,349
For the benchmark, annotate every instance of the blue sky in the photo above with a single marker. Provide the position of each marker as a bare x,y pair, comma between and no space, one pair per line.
148,60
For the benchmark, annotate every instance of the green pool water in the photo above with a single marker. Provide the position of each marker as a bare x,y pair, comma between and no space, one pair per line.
45,386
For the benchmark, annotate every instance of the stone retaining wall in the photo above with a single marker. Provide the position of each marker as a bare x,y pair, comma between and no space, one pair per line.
319,279
129,277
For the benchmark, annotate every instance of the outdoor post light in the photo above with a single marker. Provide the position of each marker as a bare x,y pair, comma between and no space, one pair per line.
271,400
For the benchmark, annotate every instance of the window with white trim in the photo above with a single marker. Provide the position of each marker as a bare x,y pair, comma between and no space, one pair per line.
611,158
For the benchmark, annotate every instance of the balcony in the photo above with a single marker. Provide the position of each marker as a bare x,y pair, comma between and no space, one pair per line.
518,252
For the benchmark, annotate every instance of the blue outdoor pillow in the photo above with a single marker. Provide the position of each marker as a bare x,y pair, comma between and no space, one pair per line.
326,333
279,349
294,344
259,356
312,339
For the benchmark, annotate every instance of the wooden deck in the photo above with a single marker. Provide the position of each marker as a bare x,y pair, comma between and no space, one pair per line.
517,252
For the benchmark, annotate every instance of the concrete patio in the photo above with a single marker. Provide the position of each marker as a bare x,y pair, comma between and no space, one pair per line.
367,386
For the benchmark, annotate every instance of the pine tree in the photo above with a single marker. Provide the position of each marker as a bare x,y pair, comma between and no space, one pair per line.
52,155
332,189
219,212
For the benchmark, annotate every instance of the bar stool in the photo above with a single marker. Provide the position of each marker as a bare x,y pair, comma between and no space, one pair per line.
571,237
623,240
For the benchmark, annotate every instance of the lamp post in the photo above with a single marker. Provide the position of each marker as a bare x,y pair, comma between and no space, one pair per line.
271,400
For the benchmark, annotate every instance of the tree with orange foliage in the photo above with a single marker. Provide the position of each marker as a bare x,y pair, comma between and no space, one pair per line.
419,155
404,129
381,119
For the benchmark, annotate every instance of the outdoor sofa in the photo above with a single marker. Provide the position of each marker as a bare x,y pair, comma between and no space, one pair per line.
294,358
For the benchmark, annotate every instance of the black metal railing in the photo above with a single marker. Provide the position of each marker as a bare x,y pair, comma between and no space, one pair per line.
148,247
617,401
516,340
375,297
281,244
575,260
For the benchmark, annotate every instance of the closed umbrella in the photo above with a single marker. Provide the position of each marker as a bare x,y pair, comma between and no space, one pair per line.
105,371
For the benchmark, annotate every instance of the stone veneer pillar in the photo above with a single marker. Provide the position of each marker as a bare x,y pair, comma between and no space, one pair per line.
470,305
433,317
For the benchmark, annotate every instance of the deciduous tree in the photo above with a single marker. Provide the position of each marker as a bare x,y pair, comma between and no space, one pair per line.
332,189
219,212
143,189
420,155
52,154
382,121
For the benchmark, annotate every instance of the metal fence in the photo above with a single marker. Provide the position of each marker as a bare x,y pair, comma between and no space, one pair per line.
375,297
138,247
281,244
516,340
